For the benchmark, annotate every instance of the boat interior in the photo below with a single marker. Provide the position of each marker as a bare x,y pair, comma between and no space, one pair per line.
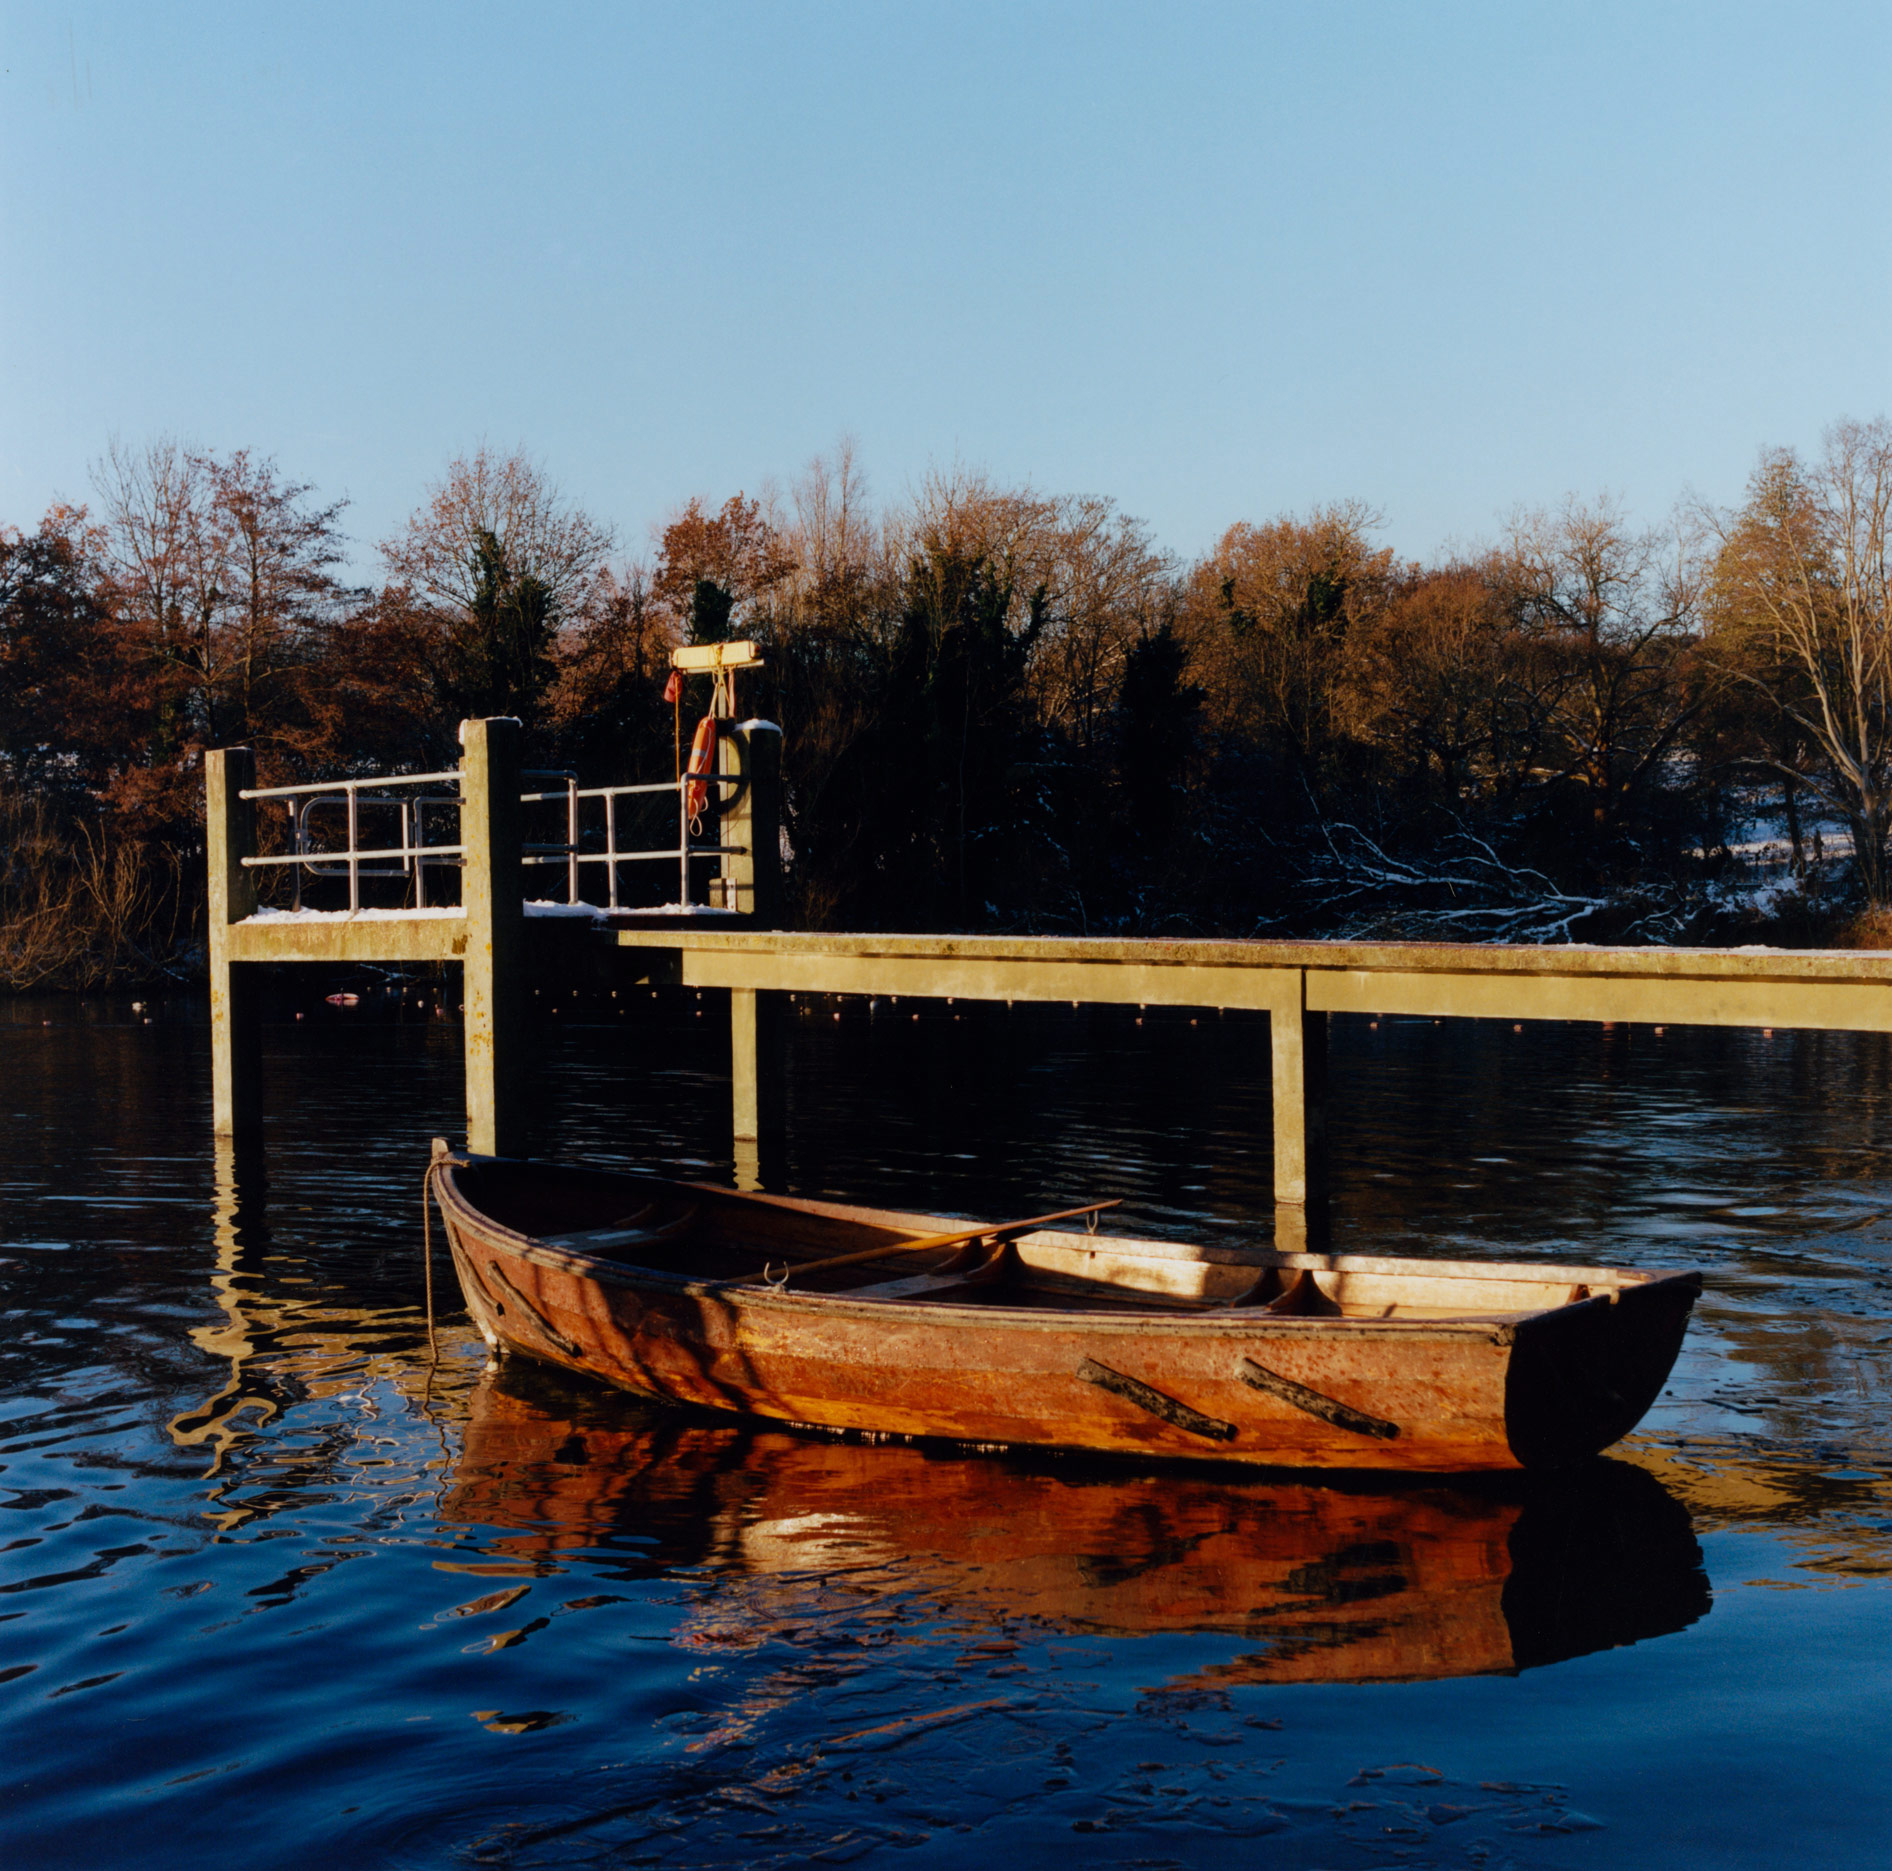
788,1245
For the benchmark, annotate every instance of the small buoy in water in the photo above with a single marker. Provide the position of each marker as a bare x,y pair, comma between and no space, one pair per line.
344,1000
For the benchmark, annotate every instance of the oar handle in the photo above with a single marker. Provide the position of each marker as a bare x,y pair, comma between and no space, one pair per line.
1000,1231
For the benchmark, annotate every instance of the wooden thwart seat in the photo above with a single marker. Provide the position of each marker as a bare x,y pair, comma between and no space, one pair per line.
1296,1296
625,1232
964,1269
917,1244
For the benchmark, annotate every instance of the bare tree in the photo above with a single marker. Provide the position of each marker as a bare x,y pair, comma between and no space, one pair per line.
1436,688
1110,588
835,533
156,504
275,551
222,569
1461,888
1274,616
510,500
1612,611
1802,609
961,514
1086,576
714,568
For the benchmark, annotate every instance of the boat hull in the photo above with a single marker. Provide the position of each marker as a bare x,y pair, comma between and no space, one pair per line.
1224,1385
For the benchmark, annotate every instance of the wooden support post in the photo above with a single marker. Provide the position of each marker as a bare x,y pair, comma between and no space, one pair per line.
236,1054
758,1083
493,894
1298,1040
752,877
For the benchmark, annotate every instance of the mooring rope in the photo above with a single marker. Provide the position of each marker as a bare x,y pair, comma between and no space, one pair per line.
427,1256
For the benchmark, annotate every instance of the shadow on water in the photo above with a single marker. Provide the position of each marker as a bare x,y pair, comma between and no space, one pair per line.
1337,1584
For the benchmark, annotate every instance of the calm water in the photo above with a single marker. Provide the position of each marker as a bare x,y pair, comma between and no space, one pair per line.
272,1595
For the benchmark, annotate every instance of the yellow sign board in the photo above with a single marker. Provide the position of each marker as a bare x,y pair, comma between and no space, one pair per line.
713,656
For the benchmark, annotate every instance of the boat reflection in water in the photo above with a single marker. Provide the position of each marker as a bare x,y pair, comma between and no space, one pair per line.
1330,1582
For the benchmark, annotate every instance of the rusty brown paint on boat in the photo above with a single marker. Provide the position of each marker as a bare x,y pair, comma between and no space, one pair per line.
1062,1339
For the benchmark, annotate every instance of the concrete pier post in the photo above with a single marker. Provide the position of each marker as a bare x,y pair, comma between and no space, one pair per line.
494,899
758,1080
752,886
236,1057
1298,1040
752,822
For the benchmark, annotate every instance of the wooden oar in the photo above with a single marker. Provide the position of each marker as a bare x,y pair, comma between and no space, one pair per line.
1001,1231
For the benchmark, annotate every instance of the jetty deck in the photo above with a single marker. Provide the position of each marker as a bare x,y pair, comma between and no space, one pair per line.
732,943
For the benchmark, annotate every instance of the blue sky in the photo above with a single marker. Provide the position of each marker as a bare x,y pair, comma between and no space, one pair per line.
1217,262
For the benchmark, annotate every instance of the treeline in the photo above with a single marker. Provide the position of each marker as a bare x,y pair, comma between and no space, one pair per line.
1001,709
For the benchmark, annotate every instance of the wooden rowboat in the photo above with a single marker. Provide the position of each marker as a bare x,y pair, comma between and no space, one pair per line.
1017,1334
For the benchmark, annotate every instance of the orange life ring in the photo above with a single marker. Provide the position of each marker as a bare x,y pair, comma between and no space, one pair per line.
702,765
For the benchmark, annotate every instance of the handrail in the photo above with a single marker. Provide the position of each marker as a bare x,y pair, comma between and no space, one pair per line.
615,792
413,854
348,786
312,858
615,857
453,774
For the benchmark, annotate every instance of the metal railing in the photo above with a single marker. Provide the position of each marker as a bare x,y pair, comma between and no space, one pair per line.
412,855
571,853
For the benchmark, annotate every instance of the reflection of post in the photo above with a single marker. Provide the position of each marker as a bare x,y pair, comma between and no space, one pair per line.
758,1083
1299,1044
236,1100
494,897
241,1194
751,822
